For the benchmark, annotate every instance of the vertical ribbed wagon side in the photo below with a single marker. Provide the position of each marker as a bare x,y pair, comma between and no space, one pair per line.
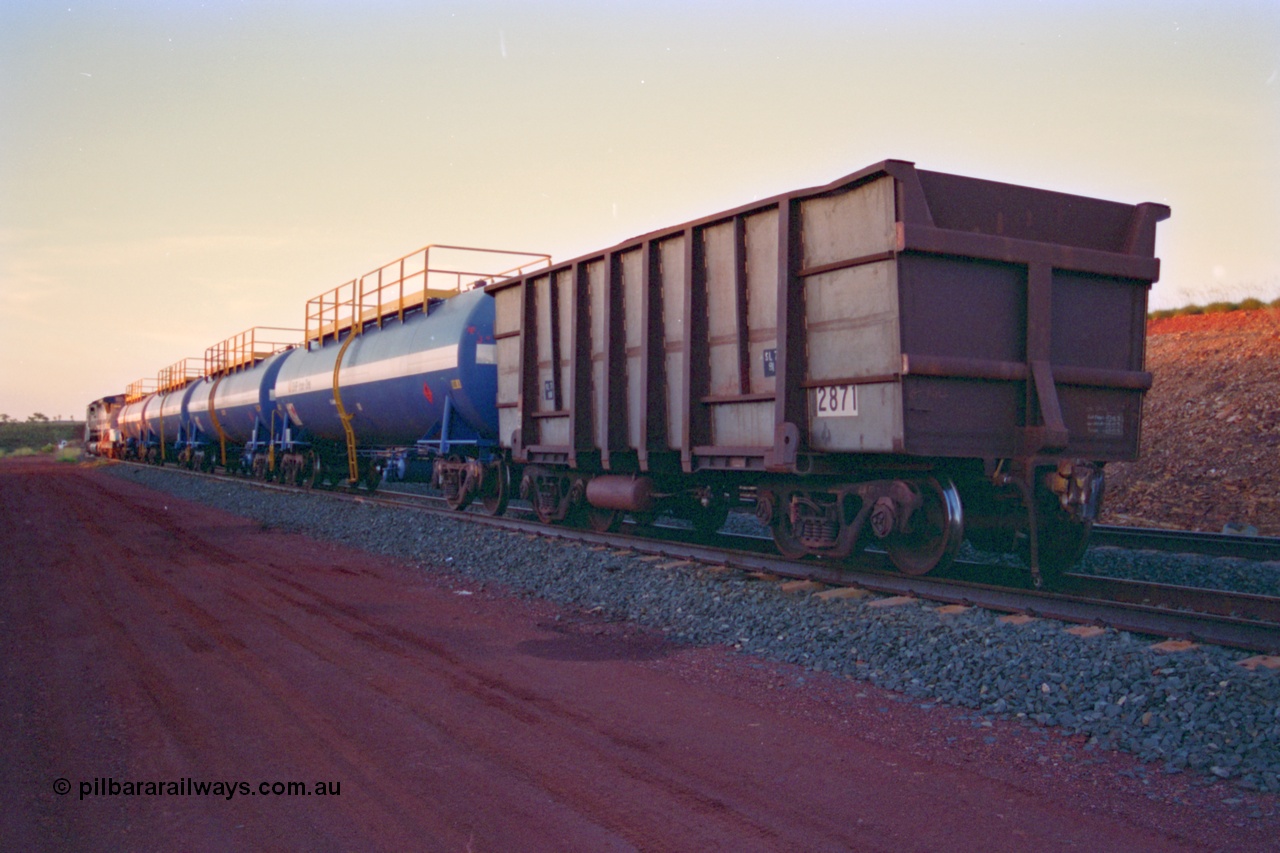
905,312
838,341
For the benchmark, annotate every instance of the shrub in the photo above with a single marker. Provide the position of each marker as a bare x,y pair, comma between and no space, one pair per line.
1221,307
1249,304
14,434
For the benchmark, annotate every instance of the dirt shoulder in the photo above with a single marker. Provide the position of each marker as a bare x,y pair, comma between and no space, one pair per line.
151,641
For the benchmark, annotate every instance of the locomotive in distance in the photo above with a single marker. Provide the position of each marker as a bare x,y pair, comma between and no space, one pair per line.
901,357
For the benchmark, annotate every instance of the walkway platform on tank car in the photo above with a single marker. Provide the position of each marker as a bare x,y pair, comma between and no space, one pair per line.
409,283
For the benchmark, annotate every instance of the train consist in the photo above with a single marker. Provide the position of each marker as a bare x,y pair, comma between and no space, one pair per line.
901,357
393,368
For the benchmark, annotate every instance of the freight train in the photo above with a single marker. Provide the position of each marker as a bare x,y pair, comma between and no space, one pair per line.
901,357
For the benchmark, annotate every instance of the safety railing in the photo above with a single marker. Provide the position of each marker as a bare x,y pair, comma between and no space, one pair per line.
411,282
178,375
135,391
244,350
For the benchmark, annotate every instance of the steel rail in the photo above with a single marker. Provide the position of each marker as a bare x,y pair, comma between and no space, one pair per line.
1187,542
1222,618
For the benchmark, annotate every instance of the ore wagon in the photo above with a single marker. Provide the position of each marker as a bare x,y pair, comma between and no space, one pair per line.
900,357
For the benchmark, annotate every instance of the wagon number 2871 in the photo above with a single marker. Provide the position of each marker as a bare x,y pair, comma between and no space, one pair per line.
835,401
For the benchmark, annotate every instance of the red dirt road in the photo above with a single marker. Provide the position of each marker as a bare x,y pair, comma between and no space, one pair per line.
149,640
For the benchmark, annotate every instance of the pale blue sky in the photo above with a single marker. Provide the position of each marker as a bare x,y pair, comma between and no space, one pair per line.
172,173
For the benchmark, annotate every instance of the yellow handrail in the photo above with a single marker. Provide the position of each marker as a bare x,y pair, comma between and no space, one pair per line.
405,283
178,375
353,467
245,349
136,391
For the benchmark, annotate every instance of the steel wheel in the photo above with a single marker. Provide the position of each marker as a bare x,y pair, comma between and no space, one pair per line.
934,533
603,520
707,520
312,471
371,475
495,502
1061,539
784,537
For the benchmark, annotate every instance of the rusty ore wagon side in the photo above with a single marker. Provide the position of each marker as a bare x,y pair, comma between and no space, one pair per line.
901,354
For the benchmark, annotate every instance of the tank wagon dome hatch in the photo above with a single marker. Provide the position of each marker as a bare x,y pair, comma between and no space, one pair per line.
415,342
858,360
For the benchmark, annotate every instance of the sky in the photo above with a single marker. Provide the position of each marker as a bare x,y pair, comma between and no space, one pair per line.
172,173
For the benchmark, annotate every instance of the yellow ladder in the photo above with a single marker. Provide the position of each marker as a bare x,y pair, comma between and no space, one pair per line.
353,468
213,417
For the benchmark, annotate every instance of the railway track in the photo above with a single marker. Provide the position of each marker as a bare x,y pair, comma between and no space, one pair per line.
1212,616
1188,542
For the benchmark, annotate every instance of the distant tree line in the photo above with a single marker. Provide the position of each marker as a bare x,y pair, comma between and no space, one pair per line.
33,418
1249,304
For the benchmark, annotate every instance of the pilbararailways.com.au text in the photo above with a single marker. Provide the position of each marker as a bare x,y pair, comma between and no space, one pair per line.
188,787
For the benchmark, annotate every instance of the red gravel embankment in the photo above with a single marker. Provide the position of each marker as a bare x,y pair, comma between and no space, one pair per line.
1211,427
